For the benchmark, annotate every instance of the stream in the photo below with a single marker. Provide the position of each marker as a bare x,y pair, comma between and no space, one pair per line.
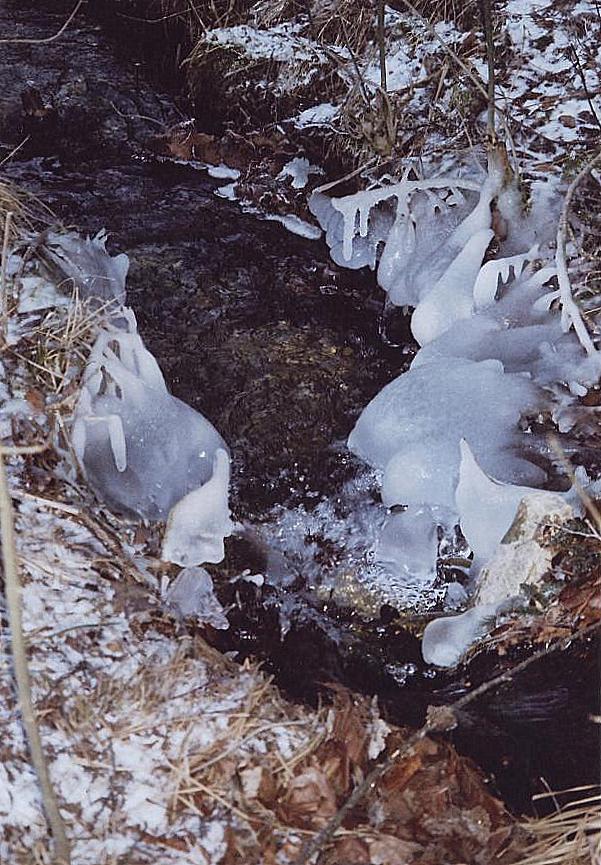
257,329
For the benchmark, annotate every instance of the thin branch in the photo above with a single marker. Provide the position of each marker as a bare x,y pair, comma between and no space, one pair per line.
62,851
14,151
3,266
48,38
381,33
587,93
570,310
440,719
486,12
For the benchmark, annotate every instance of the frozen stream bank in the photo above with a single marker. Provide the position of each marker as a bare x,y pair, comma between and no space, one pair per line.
280,350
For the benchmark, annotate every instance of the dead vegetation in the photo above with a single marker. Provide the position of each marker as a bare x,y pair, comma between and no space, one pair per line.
571,835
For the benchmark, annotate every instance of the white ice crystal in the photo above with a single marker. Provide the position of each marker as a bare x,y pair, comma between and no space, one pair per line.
197,524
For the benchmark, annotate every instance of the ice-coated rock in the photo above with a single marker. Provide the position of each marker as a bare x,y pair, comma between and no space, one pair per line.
197,524
413,427
191,594
141,448
521,559
486,507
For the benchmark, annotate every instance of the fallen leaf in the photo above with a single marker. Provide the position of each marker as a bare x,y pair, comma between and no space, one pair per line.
310,800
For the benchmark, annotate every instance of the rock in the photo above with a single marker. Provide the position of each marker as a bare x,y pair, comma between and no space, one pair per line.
521,559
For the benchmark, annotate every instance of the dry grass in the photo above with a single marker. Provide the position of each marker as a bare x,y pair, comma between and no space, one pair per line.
569,836
464,13
28,212
347,23
60,343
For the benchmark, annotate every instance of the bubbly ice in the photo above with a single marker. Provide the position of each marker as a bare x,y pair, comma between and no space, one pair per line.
409,542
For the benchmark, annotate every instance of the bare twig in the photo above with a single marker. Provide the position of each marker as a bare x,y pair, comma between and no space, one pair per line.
587,501
587,92
382,45
440,719
570,311
3,265
62,852
18,41
486,12
14,151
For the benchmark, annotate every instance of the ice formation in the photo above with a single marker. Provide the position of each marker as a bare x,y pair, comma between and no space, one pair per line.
413,427
501,341
486,507
96,275
409,542
142,449
191,594
145,452
447,639
200,521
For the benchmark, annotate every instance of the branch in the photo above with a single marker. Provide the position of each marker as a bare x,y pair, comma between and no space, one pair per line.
48,38
62,852
382,44
439,719
570,310
486,12
3,266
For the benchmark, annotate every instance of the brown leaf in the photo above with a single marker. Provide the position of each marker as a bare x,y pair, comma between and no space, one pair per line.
567,120
310,800
36,399
388,850
350,851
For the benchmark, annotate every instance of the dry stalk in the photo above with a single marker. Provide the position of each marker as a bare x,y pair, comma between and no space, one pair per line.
381,35
569,306
62,851
48,39
3,266
486,12
570,835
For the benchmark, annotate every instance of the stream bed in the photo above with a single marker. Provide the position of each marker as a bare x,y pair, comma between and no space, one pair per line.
257,329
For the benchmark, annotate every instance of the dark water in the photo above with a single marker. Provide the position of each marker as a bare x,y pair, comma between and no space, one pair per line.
256,328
